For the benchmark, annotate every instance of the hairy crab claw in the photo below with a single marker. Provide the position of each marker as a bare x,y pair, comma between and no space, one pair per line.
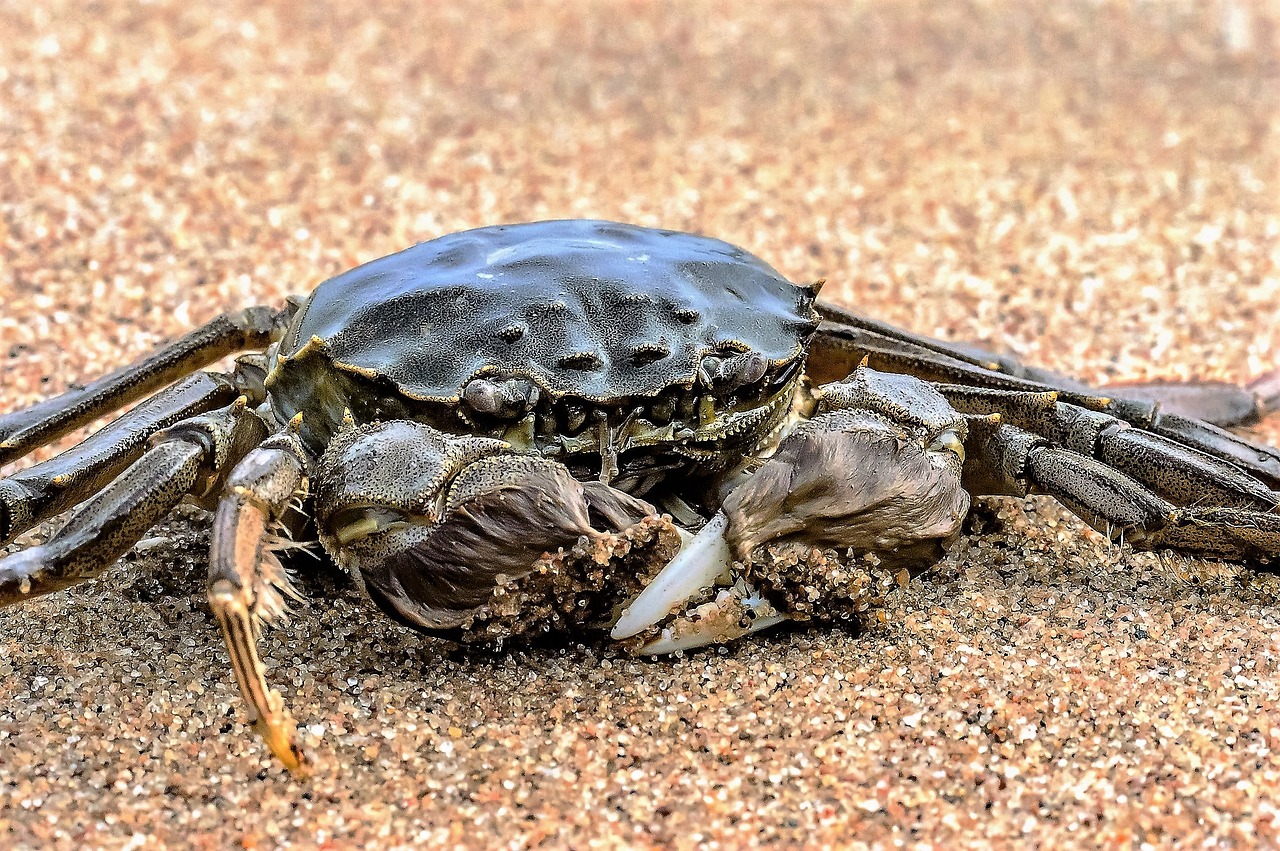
867,474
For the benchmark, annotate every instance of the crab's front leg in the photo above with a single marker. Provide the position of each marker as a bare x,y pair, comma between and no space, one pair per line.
432,526
875,468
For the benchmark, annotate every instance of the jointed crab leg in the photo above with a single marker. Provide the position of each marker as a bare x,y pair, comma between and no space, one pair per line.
1224,482
246,581
1004,459
46,421
187,458
1178,473
838,347
845,332
1214,402
32,495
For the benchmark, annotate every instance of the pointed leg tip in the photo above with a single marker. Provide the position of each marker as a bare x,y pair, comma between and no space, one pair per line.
280,732
281,736
26,574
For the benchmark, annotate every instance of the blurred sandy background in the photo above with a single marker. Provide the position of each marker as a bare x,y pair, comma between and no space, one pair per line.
1093,186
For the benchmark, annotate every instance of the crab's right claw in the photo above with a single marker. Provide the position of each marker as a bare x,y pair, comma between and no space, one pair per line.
852,480
703,563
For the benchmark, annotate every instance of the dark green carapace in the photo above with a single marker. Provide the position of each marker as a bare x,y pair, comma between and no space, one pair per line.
591,309
556,319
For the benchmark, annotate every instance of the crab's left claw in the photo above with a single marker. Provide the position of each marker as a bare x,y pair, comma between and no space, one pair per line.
876,471
445,531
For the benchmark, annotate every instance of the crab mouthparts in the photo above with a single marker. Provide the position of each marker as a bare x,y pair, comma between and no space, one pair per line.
701,571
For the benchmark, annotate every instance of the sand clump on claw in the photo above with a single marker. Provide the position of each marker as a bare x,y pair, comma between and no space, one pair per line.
778,582
577,587
581,587
823,585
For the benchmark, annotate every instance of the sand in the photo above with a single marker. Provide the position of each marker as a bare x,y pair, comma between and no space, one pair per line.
1095,187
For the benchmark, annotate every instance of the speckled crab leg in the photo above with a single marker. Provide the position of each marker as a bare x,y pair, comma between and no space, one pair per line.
1153,479
46,421
186,459
1008,460
846,339
1177,473
1214,402
42,490
247,583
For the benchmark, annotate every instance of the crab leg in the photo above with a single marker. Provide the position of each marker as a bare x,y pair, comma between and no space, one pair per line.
46,421
846,339
1214,402
185,459
246,581
32,495
1005,459
843,334
1185,462
1178,473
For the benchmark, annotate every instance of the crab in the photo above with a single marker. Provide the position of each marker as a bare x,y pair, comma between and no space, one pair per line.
576,424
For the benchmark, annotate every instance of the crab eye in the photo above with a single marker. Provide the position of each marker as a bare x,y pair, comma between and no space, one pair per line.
717,372
508,398
948,441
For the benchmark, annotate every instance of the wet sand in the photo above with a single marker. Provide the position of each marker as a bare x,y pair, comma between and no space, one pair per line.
1093,187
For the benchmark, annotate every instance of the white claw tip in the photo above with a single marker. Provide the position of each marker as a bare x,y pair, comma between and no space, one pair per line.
703,561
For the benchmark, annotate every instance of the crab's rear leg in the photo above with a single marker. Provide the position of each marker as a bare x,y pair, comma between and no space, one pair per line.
1218,403
37,493
1215,402
1179,473
1008,460
253,328
844,340
29,496
187,459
